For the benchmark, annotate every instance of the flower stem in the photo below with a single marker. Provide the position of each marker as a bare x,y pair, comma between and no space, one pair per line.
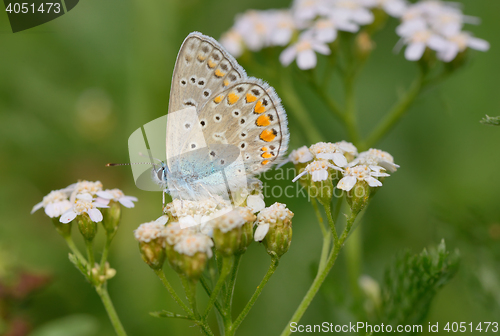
90,254
260,287
173,294
396,112
105,252
327,237
75,250
226,268
320,277
331,221
209,293
190,289
110,309
228,301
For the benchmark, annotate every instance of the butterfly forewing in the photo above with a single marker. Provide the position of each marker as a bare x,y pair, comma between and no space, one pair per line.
202,69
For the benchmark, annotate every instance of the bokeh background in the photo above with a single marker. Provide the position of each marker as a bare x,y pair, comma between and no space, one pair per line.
74,89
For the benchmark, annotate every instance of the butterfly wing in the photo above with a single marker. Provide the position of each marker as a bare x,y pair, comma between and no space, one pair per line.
247,114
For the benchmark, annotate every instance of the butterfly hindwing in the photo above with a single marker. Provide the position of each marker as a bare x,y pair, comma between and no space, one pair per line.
202,69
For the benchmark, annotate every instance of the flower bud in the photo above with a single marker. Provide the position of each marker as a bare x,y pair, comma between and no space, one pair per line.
190,254
111,217
277,219
87,227
233,231
151,238
363,45
63,229
358,196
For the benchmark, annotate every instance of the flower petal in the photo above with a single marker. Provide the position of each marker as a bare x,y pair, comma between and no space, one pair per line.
306,59
105,194
319,175
162,219
67,217
95,215
414,51
260,232
478,44
126,202
373,182
256,203
288,55
346,183
37,206
339,159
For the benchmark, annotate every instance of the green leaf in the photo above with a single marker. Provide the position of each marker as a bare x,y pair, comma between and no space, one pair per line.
411,283
495,121
74,325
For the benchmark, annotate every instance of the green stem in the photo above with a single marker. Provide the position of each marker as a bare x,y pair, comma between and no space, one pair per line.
226,268
209,293
231,284
75,250
171,291
396,112
105,252
90,254
190,289
110,309
327,237
331,221
320,278
260,287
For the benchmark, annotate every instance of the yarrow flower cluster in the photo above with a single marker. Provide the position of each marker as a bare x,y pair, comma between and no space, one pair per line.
83,197
324,157
309,26
437,25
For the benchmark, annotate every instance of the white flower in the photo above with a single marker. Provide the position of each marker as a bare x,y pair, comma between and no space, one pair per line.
83,205
460,42
347,147
304,51
233,42
83,187
376,157
55,203
318,170
283,27
190,244
255,28
306,10
105,196
419,40
360,173
329,151
394,8
325,29
149,231
300,155
173,233
353,10
276,214
234,219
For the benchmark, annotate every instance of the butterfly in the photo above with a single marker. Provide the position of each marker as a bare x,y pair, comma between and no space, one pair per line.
222,129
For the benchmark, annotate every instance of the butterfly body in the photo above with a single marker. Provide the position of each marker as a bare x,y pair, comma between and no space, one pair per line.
222,127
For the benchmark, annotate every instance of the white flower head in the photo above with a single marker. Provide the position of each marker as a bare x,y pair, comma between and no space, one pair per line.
360,173
256,202
376,157
329,151
233,42
105,196
300,155
150,231
234,219
276,214
395,8
190,244
353,10
306,10
347,148
318,169
255,28
459,43
283,27
84,187
55,203
83,205
304,51
419,40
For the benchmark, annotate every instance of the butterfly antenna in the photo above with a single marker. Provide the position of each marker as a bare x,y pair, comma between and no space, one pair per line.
144,155
125,164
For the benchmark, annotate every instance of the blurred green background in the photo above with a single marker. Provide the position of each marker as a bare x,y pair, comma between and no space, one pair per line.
74,89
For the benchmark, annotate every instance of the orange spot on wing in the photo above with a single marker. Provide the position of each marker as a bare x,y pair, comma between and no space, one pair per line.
263,120
201,58
218,73
218,99
232,98
250,98
259,108
264,149
266,155
265,162
226,82
211,64
267,135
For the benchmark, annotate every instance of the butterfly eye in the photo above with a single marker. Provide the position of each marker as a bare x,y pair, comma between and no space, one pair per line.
160,173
